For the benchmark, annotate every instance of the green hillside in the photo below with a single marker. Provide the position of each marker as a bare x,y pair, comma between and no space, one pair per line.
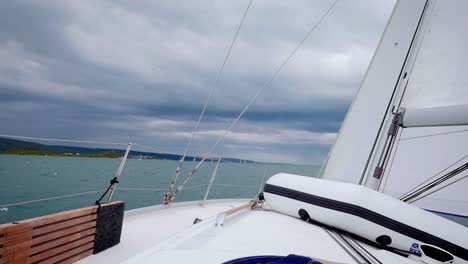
28,151
19,147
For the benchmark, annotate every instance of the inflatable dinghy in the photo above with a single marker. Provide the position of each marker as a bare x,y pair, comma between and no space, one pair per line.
367,214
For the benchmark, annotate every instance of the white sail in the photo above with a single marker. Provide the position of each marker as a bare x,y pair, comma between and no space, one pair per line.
439,76
420,156
350,154
436,95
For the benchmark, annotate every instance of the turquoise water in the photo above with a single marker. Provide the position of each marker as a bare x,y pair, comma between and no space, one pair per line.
24,178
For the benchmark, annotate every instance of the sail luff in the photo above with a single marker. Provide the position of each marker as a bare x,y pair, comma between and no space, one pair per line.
376,169
350,154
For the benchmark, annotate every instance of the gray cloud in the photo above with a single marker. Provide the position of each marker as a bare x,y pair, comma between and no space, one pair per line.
119,71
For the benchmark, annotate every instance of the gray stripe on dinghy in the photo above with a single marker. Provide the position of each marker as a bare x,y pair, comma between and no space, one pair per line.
370,216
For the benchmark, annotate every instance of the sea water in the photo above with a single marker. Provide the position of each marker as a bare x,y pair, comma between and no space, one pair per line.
143,182
25,178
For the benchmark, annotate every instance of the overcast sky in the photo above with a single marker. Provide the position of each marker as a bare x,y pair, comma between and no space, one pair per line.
140,71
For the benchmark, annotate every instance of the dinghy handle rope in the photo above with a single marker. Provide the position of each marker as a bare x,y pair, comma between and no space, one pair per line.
197,125
171,196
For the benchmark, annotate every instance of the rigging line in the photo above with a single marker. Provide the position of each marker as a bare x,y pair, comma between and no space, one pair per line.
49,198
358,251
213,88
422,196
437,134
341,244
267,84
64,140
361,249
403,196
154,189
435,183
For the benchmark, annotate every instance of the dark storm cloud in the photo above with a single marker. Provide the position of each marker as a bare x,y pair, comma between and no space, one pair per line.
120,71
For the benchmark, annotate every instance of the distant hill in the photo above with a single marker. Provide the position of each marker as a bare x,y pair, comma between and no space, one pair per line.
19,147
28,151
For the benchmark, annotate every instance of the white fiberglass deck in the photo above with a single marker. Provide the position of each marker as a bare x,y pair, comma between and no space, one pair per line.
252,233
167,235
146,227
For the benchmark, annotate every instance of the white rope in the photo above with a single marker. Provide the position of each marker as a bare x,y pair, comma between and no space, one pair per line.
64,140
267,84
50,198
213,88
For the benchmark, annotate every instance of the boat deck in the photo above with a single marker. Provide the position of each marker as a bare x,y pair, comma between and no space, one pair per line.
161,234
146,227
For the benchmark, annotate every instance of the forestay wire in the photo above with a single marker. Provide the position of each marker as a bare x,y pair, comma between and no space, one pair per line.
169,197
197,125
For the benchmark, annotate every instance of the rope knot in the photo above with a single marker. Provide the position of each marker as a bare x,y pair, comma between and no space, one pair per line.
168,197
114,181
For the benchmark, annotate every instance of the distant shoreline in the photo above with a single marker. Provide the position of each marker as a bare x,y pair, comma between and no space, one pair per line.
55,156
17,147
32,151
